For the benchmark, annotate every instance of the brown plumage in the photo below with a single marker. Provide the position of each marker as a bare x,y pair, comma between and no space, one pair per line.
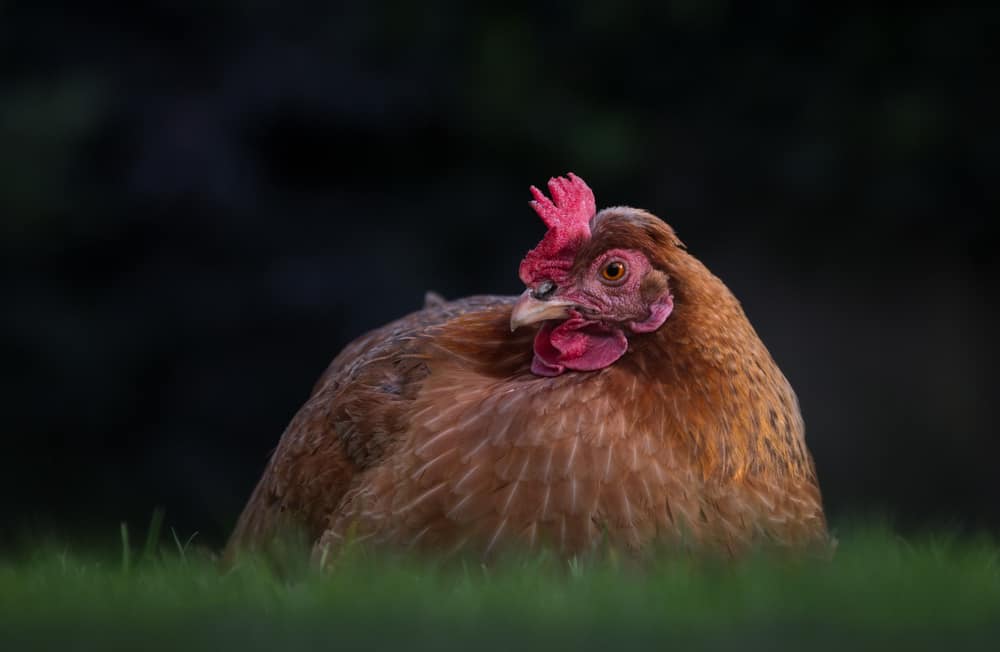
433,432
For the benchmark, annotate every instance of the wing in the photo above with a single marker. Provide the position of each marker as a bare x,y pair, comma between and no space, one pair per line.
358,410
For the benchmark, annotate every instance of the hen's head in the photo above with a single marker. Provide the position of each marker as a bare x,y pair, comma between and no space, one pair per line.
596,279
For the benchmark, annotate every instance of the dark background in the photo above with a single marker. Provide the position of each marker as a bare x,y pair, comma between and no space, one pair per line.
202,202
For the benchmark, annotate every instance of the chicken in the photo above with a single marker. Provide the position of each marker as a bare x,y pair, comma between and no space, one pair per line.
622,398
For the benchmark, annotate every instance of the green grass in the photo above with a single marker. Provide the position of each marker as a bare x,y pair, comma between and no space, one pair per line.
926,593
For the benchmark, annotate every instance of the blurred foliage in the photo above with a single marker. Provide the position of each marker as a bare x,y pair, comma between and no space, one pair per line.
42,127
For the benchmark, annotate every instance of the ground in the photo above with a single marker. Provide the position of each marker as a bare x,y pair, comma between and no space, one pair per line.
924,592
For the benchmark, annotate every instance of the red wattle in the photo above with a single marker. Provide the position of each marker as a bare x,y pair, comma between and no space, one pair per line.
576,344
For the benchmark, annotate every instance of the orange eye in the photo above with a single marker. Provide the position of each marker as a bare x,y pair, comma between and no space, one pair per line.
613,271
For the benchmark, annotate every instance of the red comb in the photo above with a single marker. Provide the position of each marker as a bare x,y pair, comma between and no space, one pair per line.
567,215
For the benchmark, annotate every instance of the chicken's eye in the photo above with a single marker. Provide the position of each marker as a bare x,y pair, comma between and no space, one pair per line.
613,271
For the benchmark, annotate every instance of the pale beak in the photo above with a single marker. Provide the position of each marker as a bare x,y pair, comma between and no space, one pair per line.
529,310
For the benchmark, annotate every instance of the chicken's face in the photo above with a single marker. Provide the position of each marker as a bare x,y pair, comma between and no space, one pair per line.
590,291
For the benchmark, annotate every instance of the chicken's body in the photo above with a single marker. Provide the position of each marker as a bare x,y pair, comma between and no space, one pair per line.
433,432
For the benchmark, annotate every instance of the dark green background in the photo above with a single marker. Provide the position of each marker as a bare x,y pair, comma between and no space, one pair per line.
202,202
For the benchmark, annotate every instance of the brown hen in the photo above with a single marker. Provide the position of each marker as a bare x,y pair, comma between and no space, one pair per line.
624,397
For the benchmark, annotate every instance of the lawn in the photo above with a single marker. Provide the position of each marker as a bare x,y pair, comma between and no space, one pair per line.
926,593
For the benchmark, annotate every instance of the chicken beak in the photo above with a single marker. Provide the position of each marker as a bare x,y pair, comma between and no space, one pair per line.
529,310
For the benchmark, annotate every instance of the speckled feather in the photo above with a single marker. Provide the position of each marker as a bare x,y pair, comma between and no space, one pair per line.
433,433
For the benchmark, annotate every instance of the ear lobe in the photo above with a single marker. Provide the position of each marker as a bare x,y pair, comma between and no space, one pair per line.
659,310
655,291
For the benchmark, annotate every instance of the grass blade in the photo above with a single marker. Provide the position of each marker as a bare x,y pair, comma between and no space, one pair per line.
151,548
126,552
